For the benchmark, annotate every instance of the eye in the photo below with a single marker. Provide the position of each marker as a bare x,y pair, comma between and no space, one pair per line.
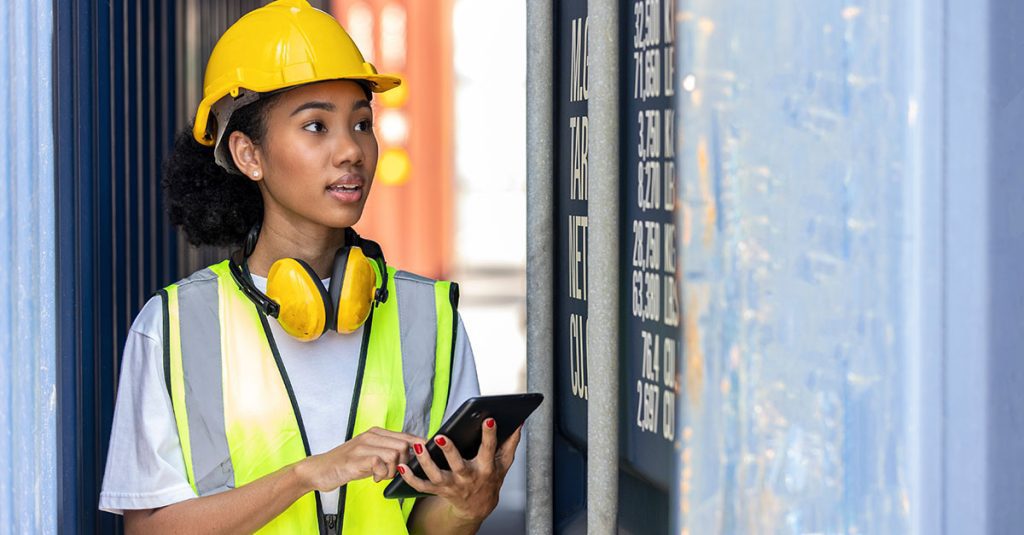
365,125
315,126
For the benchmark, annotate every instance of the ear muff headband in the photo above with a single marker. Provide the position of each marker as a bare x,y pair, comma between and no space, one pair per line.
304,304
240,272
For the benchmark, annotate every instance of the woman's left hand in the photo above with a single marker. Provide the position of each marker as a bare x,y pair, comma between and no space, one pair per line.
471,486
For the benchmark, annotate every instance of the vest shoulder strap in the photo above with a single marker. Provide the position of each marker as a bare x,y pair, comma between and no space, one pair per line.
427,310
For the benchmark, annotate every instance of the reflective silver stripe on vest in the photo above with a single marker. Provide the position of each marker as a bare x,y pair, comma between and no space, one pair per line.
417,320
199,317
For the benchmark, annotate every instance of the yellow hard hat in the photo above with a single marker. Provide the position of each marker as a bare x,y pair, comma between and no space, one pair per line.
282,44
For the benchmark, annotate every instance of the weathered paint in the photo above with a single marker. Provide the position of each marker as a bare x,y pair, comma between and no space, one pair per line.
793,162
27,344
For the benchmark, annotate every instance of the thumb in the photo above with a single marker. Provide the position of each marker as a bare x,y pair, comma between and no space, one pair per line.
507,452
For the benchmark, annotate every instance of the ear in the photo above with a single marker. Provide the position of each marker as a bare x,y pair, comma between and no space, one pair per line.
246,155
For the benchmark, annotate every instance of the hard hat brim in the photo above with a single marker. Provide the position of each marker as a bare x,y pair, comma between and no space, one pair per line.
378,83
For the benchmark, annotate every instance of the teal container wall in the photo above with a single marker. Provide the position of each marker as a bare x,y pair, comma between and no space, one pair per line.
27,343
795,163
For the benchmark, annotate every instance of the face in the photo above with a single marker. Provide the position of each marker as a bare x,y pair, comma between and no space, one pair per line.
316,162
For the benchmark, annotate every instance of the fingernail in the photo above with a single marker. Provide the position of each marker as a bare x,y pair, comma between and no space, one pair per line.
440,441
401,470
418,448
489,423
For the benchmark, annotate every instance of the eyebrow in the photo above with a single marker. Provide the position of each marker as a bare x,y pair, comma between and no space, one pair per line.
327,106
314,105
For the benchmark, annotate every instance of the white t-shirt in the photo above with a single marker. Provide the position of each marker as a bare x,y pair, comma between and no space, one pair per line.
145,465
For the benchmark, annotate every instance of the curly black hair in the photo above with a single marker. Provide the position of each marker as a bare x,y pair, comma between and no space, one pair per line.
211,205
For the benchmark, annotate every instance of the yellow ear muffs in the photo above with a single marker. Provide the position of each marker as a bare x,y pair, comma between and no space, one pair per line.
305,308
353,284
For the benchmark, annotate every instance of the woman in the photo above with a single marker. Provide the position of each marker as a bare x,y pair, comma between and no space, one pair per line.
279,391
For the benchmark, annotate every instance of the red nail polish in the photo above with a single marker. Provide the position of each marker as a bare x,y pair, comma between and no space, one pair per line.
401,469
418,448
440,441
489,423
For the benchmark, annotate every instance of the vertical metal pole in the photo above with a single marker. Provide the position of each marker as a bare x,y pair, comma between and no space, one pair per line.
924,291
1004,237
603,270
540,232
983,289
967,502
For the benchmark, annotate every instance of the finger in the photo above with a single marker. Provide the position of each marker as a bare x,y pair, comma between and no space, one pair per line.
452,455
380,440
507,452
403,445
427,464
389,457
417,483
379,469
408,439
391,450
488,440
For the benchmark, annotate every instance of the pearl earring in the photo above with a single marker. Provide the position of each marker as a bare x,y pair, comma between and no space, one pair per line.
255,174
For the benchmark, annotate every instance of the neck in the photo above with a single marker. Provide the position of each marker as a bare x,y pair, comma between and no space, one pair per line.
314,244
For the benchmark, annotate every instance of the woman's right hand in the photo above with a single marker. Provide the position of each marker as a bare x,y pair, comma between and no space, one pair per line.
376,452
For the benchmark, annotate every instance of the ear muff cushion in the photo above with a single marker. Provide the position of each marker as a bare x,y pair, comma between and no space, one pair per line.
305,308
355,298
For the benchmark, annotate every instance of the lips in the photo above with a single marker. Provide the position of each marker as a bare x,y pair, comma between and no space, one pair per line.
348,188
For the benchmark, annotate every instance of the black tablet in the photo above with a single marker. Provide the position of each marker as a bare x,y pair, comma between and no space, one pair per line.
464,429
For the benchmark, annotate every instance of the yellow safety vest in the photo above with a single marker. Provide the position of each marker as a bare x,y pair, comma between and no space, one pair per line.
236,413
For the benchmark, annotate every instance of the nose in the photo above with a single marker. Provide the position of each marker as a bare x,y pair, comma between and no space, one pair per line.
348,150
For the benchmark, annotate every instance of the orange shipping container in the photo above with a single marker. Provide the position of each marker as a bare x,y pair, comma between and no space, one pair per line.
411,207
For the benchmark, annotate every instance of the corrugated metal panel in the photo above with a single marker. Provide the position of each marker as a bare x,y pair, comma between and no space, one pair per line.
795,226
114,101
853,191
27,347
